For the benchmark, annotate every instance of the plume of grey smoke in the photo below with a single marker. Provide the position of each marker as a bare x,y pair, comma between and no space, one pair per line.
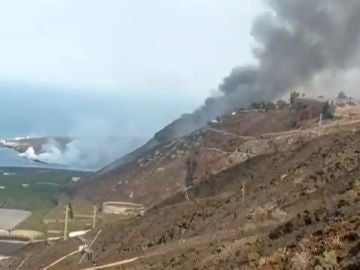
297,40
329,83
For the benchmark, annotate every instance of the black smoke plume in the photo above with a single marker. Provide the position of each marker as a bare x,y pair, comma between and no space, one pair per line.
297,40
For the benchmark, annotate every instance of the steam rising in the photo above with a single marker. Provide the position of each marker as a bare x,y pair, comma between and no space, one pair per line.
96,143
90,153
297,41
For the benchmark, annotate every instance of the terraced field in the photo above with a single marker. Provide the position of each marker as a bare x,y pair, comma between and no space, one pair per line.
33,189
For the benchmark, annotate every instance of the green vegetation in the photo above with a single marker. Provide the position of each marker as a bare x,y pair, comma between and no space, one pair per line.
281,104
293,97
33,189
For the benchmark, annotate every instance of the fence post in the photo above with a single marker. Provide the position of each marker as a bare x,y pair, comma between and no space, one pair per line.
66,222
243,191
94,217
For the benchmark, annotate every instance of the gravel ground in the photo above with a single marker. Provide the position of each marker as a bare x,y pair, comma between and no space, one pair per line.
8,248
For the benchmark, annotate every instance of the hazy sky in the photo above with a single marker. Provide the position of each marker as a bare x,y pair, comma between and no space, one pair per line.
177,47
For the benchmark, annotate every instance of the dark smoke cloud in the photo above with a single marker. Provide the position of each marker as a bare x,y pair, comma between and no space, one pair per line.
298,39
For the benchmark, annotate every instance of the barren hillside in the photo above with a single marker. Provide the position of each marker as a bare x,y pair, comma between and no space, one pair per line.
252,190
158,170
296,209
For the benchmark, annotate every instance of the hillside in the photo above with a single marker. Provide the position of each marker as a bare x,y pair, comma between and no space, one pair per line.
251,190
160,168
299,210
34,190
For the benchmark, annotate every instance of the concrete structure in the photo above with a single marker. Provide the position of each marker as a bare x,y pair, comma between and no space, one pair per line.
122,208
26,234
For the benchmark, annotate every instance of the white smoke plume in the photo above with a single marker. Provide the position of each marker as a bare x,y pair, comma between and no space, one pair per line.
95,143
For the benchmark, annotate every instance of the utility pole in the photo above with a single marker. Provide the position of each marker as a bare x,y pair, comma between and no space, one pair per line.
94,217
66,222
186,194
243,191
320,123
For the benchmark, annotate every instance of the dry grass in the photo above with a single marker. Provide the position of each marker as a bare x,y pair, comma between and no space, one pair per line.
301,259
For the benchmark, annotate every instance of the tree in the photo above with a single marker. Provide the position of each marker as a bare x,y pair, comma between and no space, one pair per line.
256,106
342,95
71,210
269,106
293,97
328,111
281,104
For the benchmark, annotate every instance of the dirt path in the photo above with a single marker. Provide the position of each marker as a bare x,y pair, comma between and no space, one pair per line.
71,253
227,133
21,264
183,244
61,259
113,264
283,134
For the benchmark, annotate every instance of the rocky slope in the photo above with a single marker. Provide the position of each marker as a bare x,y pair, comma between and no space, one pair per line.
168,163
160,169
294,209
264,190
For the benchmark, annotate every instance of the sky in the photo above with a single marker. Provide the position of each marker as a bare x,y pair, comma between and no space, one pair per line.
92,69
132,47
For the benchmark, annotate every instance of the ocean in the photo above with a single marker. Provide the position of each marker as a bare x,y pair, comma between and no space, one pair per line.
27,110
9,158
40,111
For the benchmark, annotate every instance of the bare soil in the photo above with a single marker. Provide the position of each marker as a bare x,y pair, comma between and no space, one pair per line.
300,208
264,191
